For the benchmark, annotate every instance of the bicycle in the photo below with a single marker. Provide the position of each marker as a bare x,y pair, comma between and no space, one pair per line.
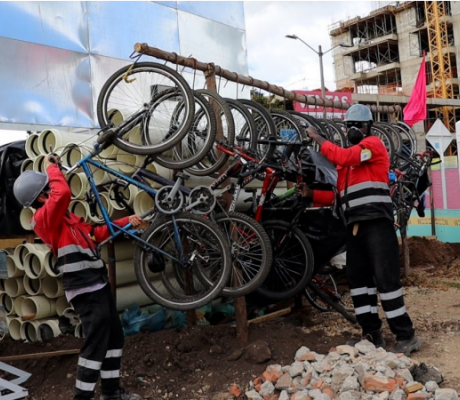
408,187
182,261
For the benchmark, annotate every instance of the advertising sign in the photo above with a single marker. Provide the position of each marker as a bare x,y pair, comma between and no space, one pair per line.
317,111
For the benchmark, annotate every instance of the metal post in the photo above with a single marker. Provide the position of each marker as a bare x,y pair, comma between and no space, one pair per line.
323,88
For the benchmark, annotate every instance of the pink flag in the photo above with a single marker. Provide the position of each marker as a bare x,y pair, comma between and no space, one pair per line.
415,110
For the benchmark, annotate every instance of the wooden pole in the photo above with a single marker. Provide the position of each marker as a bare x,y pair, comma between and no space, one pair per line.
144,48
242,332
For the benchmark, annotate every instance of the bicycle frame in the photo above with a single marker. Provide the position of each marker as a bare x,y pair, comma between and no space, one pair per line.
115,230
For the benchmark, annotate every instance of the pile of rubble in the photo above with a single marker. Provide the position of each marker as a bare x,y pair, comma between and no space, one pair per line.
361,372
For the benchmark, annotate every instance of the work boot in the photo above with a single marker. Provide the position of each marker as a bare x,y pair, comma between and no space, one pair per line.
121,395
375,337
408,346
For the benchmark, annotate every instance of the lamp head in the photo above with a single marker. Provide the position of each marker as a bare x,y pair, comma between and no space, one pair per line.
292,36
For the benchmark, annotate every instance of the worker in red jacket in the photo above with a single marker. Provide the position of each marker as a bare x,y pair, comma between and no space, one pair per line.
372,245
84,277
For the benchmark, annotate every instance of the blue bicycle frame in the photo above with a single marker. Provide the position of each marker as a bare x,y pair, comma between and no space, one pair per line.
127,230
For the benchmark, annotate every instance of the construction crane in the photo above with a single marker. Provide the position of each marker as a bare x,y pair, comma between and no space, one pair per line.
441,70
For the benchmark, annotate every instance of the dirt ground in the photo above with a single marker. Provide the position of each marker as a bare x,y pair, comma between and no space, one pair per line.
200,363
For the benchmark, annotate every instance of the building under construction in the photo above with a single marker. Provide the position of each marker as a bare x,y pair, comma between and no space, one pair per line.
378,57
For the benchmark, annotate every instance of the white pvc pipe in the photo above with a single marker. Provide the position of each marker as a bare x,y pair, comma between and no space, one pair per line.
13,271
27,164
51,267
50,325
55,140
61,305
14,287
7,303
100,176
9,250
37,307
124,273
124,250
142,202
52,287
128,163
14,328
78,184
30,332
38,164
106,203
23,249
80,209
33,286
31,146
79,331
73,153
159,170
127,295
34,264
24,218
18,304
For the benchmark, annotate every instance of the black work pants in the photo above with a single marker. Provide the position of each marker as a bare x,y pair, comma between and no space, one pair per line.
373,267
103,346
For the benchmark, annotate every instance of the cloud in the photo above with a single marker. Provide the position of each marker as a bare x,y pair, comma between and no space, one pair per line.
288,62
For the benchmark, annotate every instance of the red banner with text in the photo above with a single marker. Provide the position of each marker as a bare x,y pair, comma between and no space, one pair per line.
317,111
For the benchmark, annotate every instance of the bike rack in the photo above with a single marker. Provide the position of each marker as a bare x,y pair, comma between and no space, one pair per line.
144,48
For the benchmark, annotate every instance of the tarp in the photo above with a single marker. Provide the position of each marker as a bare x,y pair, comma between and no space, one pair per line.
11,157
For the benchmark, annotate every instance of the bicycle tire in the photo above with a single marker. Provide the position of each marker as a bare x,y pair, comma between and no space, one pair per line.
285,121
293,261
265,128
386,140
216,159
245,128
250,240
192,235
130,88
313,298
198,141
335,305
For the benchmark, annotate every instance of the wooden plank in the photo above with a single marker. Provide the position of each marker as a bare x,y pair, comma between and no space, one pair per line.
40,355
270,316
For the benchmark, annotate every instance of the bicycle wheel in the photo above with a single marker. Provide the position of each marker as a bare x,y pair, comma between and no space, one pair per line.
198,141
387,142
154,90
194,265
216,159
293,261
265,128
251,253
245,128
326,281
334,303
287,129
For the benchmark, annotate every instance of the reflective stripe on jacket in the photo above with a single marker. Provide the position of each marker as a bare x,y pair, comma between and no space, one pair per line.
363,185
70,238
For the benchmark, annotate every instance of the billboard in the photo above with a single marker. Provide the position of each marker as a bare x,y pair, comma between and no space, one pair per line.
317,111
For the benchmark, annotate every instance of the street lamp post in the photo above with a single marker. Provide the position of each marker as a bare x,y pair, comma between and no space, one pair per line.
321,71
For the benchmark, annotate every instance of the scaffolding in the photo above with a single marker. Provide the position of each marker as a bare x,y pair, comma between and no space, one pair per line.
441,70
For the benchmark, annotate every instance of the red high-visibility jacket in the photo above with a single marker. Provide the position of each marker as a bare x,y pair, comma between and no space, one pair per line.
363,185
70,238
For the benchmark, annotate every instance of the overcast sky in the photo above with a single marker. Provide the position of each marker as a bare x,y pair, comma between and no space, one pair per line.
289,63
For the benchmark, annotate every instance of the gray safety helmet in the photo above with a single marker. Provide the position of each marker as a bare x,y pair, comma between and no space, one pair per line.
28,187
358,112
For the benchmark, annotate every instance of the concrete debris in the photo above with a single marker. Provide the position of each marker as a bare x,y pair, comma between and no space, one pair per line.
362,372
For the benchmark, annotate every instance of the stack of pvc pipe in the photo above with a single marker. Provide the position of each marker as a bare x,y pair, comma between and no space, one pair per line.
33,295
